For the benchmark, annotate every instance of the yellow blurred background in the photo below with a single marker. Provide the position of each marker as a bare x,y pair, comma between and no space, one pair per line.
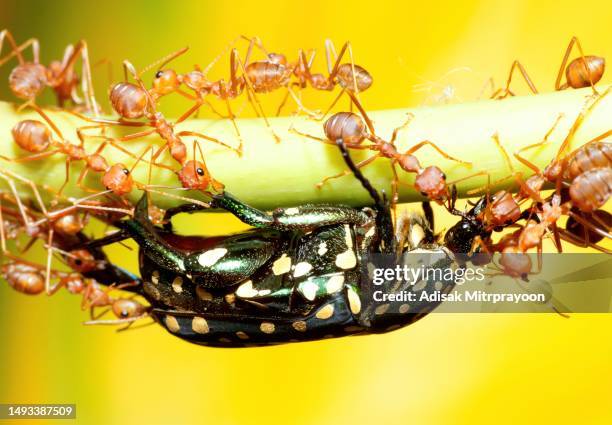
471,368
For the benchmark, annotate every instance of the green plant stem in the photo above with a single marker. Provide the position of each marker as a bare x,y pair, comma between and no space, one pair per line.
271,174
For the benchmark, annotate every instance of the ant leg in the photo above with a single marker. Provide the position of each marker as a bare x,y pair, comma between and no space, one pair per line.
517,175
30,183
396,130
327,141
205,137
232,118
67,179
330,55
16,51
134,136
347,172
562,68
49,258
542,142
120,122
87,83
570,135
300,106
33,157
115,321
251,92
574,240
322,117
419,145
502,93
363,113
587,224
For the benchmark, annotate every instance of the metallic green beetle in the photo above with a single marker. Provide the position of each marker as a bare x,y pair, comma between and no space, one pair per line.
301,273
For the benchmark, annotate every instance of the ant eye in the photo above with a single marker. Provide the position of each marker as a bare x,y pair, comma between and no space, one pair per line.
78,262
126,171
443,176
159,73
424,193
199,171
125,313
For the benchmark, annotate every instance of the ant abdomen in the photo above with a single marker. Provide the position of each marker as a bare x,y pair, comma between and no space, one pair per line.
592,155
267,76
28,80
346,126
31,135
591,190
128,100
24,278
582,73
361,79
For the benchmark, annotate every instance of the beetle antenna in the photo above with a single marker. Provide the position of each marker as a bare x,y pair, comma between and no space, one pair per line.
359,176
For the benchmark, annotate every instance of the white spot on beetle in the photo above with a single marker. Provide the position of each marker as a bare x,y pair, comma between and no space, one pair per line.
354,301
403,309
322,248
299,326
203,294
172,324
246,290
325,312
309,290
302,269
334,284
282,265
210,258
155,277
381,309
419,286
292,211
199,325
177,284
267,327
346,260
242,335
348,236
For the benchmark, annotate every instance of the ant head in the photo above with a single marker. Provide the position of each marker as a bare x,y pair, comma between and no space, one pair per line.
118,179
125,308
194,175
431,182
515,263
81,261
166,81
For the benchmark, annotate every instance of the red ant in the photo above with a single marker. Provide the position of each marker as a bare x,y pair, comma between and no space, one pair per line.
33,136
349,76
28,79
132,101
351,129
126,310
584,71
